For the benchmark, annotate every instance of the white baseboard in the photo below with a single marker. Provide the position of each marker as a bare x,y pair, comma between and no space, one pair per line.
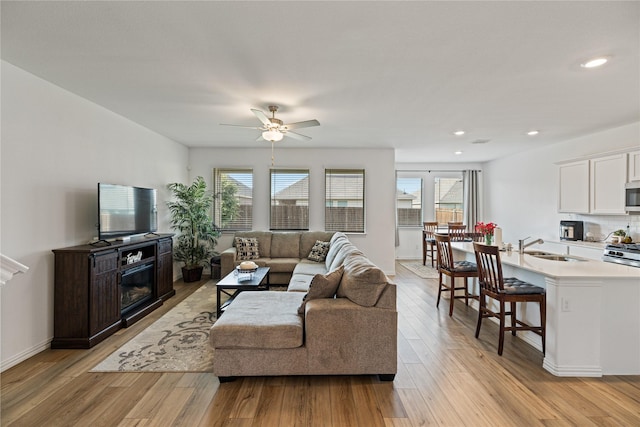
24,355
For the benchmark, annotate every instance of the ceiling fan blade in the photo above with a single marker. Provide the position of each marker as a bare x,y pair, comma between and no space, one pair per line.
261,116
242,126
305,124
260,138
297,136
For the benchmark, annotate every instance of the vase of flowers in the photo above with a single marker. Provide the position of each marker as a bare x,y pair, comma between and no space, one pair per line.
487,231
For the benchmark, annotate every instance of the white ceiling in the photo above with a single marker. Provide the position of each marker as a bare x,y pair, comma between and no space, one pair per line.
375,74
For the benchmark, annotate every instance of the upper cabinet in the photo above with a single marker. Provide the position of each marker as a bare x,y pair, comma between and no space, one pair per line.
608,176
634,166
596,185
574,187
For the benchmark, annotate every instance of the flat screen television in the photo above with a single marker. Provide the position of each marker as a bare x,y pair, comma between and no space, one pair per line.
126,211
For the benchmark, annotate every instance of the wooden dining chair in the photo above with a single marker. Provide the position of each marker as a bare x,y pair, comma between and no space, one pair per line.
428,241
474,236
453,269
457,232
506,290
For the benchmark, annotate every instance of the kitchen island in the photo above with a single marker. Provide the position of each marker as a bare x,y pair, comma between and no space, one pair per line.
593,312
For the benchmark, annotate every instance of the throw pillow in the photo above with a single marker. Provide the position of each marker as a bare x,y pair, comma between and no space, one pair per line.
362,282
322,286
247,248
319,251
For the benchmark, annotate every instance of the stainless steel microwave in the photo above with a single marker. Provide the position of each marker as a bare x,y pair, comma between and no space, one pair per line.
632,196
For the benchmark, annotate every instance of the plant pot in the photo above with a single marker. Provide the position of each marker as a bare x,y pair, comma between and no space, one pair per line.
192,274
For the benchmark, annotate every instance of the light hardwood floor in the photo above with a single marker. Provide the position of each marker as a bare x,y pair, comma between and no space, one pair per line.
445,377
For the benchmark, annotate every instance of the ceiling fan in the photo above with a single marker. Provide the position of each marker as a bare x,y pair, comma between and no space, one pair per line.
274,130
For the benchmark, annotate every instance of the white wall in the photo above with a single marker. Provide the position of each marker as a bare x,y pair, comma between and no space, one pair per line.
56,147
378,241
521,191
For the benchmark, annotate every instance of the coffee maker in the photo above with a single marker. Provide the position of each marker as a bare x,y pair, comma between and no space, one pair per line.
571,230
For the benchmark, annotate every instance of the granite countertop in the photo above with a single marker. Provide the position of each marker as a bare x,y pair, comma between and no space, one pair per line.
584,268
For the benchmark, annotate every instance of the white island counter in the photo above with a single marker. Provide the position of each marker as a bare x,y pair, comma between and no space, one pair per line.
593,312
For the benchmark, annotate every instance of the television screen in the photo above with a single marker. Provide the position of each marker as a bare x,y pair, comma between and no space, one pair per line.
125,211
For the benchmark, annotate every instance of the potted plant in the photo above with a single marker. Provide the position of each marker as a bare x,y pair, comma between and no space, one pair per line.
197,235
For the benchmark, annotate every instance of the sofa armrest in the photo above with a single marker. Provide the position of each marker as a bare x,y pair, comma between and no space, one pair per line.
343,337
227,261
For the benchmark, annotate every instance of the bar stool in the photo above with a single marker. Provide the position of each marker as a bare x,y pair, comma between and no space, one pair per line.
428,241
506,290
453,270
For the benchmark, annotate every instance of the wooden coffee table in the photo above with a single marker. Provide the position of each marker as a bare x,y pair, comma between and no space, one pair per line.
230,286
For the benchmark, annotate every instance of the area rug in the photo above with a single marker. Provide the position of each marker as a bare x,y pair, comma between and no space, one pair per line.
424,271
177,342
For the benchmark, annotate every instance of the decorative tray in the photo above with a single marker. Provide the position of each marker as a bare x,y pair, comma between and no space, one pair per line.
245,271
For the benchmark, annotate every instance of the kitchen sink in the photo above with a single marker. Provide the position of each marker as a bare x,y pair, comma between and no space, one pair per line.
537,253
554,257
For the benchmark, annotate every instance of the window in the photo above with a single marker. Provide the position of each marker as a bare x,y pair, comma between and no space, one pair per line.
344,200
289,199
233,205
448,199
409,201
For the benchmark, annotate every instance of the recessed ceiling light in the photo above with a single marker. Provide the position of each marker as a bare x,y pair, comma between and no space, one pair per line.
457,153
533,132
595,62
459,133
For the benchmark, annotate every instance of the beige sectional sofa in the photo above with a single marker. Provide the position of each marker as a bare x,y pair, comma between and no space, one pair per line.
281,251
268,333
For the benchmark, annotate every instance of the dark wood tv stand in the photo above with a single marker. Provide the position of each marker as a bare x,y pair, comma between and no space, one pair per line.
100,289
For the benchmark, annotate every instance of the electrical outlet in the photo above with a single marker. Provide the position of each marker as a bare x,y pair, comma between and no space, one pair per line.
565,304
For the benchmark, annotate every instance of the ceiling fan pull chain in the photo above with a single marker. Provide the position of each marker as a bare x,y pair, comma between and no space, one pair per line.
272,161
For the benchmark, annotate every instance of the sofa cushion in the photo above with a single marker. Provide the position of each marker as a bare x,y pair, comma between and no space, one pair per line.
247,248
285,245
306,266
300,283
319,251
338,235
343,253
322,286
282,265
362,282
334,247
309,238
260,319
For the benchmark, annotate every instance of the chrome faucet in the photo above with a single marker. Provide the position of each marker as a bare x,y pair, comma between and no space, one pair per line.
522,246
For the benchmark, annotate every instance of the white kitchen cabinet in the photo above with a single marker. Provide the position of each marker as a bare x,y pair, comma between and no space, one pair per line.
634,166
574,187
607,178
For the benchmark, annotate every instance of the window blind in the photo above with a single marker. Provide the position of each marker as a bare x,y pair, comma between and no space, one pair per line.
233,205
344,200
289,199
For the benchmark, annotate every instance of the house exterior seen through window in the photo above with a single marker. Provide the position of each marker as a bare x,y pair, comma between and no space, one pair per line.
344,200
409,201
233,204
289,199
448,200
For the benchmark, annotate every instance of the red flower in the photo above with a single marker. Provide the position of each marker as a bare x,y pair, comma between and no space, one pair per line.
485,229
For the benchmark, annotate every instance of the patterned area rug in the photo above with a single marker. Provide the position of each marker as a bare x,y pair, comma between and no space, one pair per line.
177,342
424,271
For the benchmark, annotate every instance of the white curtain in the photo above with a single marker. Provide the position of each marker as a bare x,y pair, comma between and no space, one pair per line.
471,196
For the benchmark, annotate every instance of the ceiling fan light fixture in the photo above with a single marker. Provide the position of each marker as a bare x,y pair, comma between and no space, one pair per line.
272,135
